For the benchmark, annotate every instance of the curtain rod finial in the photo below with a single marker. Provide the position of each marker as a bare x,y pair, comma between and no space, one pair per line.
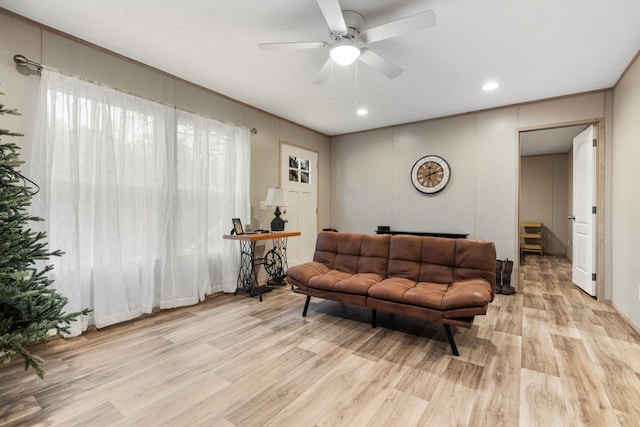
20,60
24,62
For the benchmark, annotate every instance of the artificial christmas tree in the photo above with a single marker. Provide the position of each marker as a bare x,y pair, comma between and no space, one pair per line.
30,310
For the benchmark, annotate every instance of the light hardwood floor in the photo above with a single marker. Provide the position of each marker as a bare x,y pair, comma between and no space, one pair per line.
547,356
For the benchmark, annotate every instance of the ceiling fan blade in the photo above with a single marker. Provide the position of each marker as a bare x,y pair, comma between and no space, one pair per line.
380,64
324,73
416,22
291,45
333,15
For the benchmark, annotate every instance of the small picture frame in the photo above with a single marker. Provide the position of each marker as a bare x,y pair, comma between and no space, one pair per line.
237,226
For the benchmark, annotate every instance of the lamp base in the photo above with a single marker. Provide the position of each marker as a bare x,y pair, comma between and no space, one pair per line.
277,224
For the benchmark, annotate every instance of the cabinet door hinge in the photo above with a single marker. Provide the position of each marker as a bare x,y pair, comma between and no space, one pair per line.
595,142
593,210
593,277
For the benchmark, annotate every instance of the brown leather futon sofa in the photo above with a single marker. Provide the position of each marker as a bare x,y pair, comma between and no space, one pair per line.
444,280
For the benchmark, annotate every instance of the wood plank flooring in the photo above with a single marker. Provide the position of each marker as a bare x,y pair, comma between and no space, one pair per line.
547,356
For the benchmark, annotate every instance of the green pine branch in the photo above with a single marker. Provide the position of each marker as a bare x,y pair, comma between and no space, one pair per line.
31,311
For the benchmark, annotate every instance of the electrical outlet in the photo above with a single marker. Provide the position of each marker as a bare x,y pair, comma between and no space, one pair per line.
263,205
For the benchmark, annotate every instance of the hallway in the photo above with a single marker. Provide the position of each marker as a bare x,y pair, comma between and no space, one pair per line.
579,357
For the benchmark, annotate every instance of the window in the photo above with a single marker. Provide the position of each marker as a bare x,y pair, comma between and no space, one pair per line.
138,196
298,170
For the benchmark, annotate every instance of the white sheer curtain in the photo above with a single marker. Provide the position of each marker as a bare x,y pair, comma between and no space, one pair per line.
138,196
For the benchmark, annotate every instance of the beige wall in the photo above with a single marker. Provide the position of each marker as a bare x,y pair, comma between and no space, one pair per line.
625,196
544,197
371,186
371,182
58,52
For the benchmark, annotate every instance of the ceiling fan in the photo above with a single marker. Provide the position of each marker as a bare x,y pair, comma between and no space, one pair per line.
349,38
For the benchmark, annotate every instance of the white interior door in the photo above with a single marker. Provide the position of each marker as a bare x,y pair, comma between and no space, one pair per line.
299,177
584,196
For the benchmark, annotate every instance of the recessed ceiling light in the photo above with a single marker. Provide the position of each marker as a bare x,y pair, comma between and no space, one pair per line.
491,85
362,112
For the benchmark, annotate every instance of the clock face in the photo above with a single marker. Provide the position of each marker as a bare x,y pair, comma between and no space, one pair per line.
430,174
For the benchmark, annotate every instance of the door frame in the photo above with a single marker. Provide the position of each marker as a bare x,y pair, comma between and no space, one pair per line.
601,215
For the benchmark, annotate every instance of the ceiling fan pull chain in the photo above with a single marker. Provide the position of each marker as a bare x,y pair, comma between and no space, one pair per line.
332,96
356,100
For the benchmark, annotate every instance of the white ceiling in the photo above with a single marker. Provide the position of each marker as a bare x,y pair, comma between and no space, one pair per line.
536,49
548,141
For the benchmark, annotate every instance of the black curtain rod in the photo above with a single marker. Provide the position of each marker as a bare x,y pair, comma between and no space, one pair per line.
22,61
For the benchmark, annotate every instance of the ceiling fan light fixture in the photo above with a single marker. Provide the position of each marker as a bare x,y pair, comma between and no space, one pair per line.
344,54
491,85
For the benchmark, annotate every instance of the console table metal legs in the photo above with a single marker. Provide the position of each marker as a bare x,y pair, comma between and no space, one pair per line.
248,275
273,263
279,267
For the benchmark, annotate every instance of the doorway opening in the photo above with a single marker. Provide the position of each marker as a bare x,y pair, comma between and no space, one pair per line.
546,195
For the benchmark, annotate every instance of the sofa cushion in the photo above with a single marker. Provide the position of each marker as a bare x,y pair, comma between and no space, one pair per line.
326,248
374,254
440,260
301,274
467,293
420,259
439,296
353,253
339,281
348,252
475,259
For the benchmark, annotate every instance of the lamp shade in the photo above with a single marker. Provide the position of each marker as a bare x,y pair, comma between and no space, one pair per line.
276,197
344,54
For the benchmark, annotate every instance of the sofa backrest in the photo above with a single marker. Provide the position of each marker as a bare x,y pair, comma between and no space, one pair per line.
419,258
441,260
353,253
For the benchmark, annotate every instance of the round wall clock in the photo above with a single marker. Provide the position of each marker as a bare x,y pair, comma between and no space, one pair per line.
430,174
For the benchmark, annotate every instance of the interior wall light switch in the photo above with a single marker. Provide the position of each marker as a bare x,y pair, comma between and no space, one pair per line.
263,205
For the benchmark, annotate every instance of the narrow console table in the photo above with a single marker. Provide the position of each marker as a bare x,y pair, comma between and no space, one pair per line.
425,233
274,261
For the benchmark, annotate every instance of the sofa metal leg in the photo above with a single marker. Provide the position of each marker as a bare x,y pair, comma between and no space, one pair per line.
306,306
452,343
374,319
